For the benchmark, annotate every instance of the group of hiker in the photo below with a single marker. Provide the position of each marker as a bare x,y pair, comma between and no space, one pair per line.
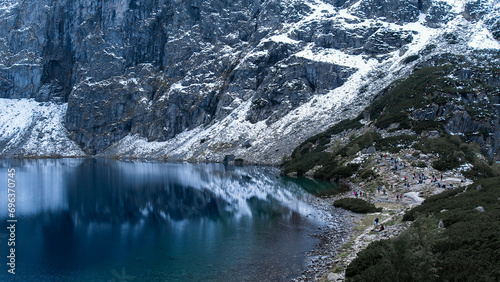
398,164
418,177
375,222
380,189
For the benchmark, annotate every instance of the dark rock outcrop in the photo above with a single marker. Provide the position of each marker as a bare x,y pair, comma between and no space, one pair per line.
158,68
393,10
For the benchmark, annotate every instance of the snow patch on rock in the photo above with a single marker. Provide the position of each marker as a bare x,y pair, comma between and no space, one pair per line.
29,128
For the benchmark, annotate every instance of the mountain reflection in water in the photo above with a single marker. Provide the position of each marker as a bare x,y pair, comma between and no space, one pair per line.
80,219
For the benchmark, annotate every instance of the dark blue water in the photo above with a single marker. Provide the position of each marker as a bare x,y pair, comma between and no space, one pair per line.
104,220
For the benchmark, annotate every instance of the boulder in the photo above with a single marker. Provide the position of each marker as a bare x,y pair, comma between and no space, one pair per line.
433,134
423,157
371,150
335,277
228,159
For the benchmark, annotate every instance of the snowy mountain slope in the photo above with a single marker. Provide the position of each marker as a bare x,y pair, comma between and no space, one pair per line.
33,129
203,80
321,111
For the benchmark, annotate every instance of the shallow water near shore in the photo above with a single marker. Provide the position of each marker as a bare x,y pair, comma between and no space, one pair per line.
106,220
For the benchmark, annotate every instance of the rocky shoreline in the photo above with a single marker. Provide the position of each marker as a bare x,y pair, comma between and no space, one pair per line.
346,233
332,235
343,236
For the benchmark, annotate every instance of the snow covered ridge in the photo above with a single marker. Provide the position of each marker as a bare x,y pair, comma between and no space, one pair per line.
227,96
270,142
32,129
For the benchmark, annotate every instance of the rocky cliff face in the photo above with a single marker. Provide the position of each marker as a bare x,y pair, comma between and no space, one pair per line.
201,79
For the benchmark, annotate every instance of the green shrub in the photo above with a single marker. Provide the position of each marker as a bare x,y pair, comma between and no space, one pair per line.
356,205
411,58
452,151
393,103
480,169
474,241
366,173
323,138
426,125
364,263
336,172
312,152
345,171
352,150
432,205
404,258
386,120
345,124
421,164
364,141
394,144
304,163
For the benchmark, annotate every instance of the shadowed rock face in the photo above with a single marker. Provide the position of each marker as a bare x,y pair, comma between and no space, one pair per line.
167,68
393,10
157,68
